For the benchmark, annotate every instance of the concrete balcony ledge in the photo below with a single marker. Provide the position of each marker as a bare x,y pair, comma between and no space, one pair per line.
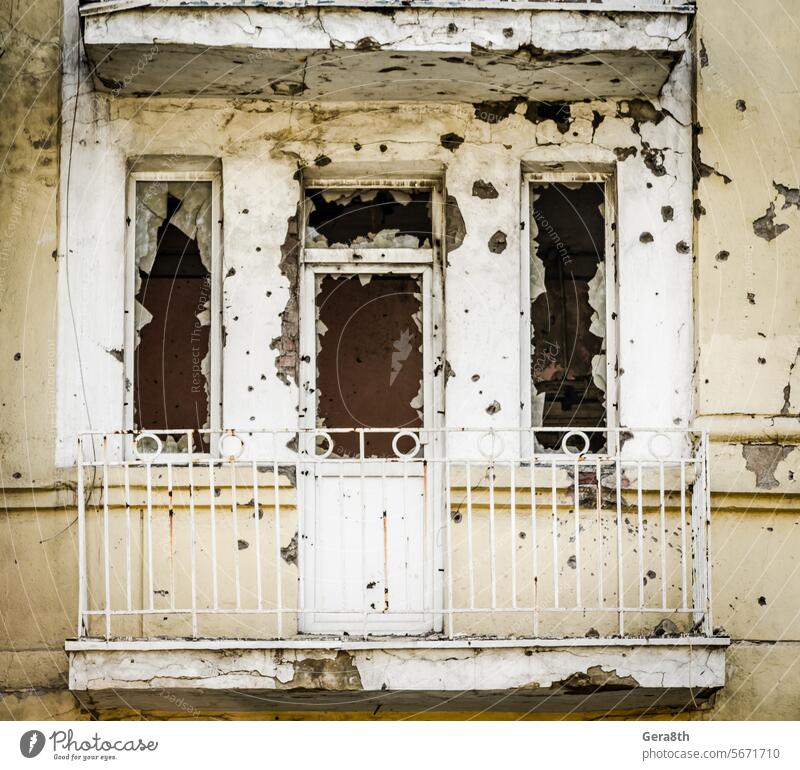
372,51
399,675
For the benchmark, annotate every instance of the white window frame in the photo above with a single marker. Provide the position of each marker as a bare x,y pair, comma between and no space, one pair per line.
607,179
215,308
424,262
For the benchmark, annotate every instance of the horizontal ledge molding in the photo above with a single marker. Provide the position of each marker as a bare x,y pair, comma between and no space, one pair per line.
74,645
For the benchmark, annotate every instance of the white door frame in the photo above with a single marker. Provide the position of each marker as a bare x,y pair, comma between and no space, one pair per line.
425,263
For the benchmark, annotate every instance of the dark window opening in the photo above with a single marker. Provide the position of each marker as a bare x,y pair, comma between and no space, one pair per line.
171,359
369,359
386,218
568,310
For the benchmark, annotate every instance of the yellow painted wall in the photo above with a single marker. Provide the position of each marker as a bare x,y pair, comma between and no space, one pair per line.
748,345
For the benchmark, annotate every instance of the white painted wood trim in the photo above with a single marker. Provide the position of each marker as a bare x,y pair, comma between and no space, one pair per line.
367,254
215,309
316,643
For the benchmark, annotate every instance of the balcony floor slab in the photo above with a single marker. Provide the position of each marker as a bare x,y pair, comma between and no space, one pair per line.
553,676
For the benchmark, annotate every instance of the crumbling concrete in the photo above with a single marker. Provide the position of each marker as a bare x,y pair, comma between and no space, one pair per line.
596,671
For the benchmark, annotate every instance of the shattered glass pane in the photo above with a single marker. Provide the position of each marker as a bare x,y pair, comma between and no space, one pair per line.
568,310
369,359
172,311
375,218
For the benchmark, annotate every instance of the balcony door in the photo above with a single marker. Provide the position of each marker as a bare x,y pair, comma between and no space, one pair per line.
370,560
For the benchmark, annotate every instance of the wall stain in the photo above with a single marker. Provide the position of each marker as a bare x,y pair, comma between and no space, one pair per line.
763,461
766,227
455,229
287,361
592,680
498,242
339,673
289,552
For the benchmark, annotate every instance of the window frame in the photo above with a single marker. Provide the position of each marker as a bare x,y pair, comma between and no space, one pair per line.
608,180
423,262
215,306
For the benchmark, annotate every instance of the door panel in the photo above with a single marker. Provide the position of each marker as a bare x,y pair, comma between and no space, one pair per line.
368,550
367,553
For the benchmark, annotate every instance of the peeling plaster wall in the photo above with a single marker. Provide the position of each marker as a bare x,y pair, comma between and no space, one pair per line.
36,501
449,670
748,166
260,195
651,146
340,54
262,146
29,255
747,170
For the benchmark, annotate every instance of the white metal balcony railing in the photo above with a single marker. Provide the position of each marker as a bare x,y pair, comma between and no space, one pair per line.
451,533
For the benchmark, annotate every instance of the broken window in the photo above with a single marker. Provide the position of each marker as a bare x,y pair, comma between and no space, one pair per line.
568,309
369,358
372,217
172,311
366,358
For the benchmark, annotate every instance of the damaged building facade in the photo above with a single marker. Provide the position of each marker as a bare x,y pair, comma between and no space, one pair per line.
437,354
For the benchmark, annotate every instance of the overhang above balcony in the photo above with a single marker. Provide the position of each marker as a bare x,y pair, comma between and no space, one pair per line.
345,51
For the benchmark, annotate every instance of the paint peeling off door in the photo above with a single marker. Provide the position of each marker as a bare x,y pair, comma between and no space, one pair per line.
367,554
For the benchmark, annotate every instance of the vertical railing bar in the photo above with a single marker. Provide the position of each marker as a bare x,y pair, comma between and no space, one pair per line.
406,552
212,504
385,522
513,535
171,521
684,576
365,615
708,615
640,531
428,578
577,513
620,557
301,525
600,536
342,537
554,528
535,547
192,535
492,546
149,477
82,577
257,524
468,468
235,528
663,536
277,507
128,559
448,517
428,485
106,536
